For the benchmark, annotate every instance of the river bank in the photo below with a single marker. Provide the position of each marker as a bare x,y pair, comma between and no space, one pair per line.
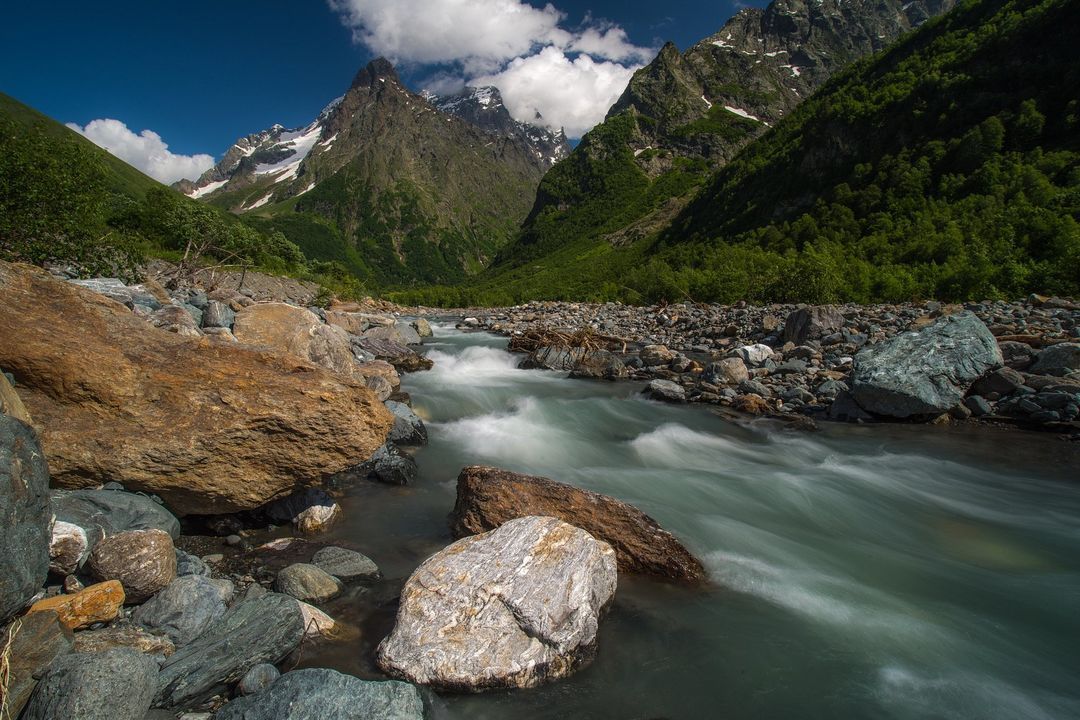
798,361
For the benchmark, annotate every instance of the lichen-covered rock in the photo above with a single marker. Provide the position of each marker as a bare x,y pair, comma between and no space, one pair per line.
24,513
209,427
487,497
513,607
262,629
925,372
143,560
115,684
320,694
93,604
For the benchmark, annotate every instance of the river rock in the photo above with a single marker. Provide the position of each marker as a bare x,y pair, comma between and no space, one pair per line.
1003,381
487,497
257,630
188,564
345,564
400,332
812,323
320,694
109,512
513,607
116,684
408,428
352,322
24,512
392,351
68,548
97,603
729,371
307,583
550,357
754,354
298,331
1061,359
665,390
175,319
926,372
209,427
423,328
218,315
11,404
391,466
258,678
183,610
123,636
317,624
653,355
599,365
143,560
310,511
31,643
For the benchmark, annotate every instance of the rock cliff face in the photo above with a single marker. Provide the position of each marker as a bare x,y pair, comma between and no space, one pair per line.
210,426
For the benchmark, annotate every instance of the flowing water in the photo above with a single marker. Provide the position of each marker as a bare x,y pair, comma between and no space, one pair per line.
857,572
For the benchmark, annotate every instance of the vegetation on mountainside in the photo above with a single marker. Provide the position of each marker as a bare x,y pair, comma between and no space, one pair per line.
948,166
64,200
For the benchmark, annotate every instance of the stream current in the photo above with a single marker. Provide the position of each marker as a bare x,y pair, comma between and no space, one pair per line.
893,571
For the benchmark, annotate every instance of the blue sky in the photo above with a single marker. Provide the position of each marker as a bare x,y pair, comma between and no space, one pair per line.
200,74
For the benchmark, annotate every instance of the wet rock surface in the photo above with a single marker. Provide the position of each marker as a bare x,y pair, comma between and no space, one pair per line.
513,607
487,497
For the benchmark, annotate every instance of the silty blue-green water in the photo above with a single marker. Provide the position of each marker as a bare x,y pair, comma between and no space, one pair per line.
856,572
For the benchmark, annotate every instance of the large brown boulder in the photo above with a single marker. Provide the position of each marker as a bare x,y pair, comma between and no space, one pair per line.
210,427
487,497
299,331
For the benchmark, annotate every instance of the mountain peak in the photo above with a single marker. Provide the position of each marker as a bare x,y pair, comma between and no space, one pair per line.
378,69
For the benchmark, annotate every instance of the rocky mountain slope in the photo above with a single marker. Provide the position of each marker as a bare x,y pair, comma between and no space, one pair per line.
483,107
394,188
687,114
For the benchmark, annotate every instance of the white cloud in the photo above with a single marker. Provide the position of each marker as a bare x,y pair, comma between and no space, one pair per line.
574,94
571,76
145,151
480,34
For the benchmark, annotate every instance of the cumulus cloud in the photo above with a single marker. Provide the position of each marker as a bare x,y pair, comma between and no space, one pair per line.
573,94
145,151
570,75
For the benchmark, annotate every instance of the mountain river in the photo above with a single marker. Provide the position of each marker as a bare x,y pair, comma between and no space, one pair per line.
894,571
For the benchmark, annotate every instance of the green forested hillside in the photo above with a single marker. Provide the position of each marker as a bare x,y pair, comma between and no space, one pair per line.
947,166
64,199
